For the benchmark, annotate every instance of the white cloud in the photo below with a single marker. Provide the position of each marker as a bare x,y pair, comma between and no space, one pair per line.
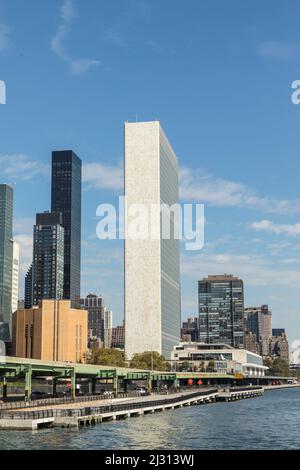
255,270
279,50
268,226
68,11
98,176
82,66
196,185
4,36
77,66
20,166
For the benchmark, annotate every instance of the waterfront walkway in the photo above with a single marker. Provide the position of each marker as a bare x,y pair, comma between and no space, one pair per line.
93,411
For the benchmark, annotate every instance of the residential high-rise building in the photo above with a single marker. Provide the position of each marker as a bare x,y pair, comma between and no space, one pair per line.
6,259
152,280
66,198
99,320
189,330
265,327
118,337
48,257
15,277
258,321
279,347
252,320
28,291
275,346
250,341
221,310
95,306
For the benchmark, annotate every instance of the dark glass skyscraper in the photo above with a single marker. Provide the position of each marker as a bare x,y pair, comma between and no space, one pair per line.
221,310
48,257
6,259
28,291
66,198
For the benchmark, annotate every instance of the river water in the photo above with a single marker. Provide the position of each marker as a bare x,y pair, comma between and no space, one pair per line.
268,422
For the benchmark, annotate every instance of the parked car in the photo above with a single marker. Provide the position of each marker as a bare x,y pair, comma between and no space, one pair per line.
38,395
141,390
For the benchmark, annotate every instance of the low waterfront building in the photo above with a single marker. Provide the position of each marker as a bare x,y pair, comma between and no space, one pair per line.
52,331
221,358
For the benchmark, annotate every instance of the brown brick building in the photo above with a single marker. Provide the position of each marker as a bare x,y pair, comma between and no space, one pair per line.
51,332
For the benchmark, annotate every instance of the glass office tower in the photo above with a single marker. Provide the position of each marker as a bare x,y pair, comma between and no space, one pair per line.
48,257
221,310
152,284
66,198
6,259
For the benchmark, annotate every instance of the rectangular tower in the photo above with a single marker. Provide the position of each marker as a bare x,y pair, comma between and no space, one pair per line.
152,284
28,290
66,198
15,277
48,257
221,310
6,259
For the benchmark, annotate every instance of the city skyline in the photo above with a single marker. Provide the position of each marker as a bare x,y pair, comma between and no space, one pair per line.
231,164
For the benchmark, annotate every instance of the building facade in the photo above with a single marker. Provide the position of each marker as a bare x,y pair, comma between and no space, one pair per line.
250,342
189,330
95,307
28,290
152,281
15,277
51,332
66,198
48,257
6,259
99,320
107,328
258,321
221,310
118,337
219,358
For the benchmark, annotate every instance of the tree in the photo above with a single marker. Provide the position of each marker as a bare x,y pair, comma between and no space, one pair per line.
148,360
107,357
278,366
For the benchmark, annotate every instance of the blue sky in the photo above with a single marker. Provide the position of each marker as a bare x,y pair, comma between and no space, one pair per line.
216,74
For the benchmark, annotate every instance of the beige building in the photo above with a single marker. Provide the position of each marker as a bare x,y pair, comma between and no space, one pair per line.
51,332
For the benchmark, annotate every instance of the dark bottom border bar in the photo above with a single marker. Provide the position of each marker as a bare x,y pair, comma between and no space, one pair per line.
140,459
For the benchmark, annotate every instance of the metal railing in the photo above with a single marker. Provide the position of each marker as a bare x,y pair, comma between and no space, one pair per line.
98,410
64,400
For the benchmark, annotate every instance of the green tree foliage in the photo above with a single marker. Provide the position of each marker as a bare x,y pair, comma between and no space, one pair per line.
107,357
277,366
148,359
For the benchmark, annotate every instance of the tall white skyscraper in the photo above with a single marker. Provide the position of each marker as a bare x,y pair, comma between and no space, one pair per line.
152,278
15,277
